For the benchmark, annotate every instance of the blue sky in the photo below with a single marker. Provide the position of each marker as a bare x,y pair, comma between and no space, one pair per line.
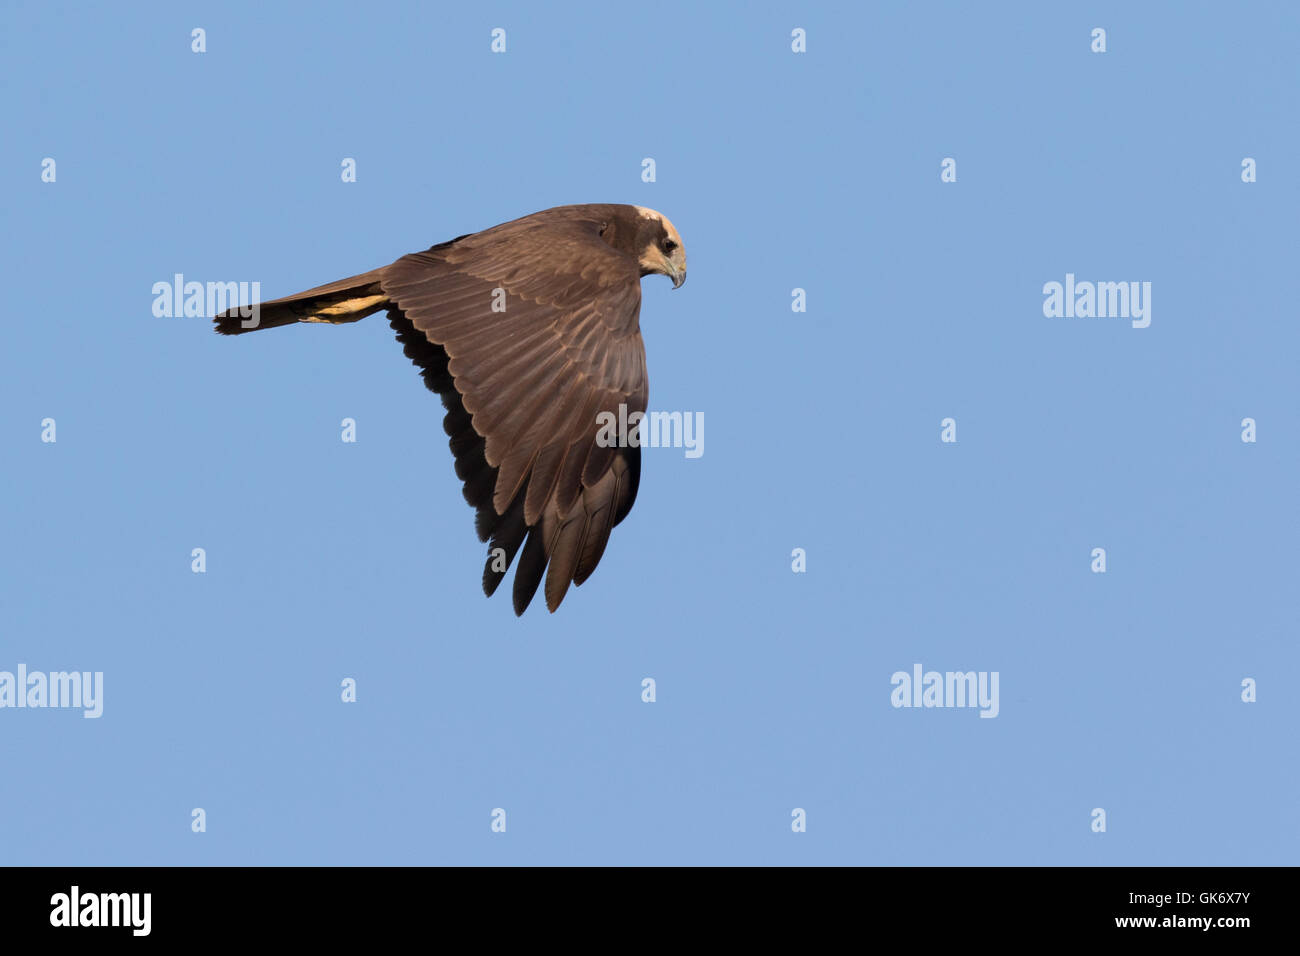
818,171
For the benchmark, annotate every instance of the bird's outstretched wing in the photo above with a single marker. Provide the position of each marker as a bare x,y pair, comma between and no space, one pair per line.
529,331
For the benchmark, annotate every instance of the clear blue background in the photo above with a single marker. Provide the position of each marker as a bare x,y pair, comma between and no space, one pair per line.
327,560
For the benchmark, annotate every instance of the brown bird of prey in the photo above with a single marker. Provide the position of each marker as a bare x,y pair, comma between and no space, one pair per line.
528,331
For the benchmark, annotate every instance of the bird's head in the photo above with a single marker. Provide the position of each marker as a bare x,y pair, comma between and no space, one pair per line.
659,247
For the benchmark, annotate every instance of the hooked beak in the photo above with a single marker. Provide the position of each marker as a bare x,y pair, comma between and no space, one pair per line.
677,276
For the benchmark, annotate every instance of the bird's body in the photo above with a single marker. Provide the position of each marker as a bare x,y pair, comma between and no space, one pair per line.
528,331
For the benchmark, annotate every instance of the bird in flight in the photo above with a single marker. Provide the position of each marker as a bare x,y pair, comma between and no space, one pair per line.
528,331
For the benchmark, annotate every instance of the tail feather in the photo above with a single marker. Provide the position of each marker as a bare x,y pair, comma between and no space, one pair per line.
346,300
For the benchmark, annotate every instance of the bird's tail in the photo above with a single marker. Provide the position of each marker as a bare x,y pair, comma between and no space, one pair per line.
344,301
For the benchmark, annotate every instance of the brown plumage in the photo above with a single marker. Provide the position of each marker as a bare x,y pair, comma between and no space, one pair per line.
528,331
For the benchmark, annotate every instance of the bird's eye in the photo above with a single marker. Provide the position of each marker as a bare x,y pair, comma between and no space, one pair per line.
669,245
